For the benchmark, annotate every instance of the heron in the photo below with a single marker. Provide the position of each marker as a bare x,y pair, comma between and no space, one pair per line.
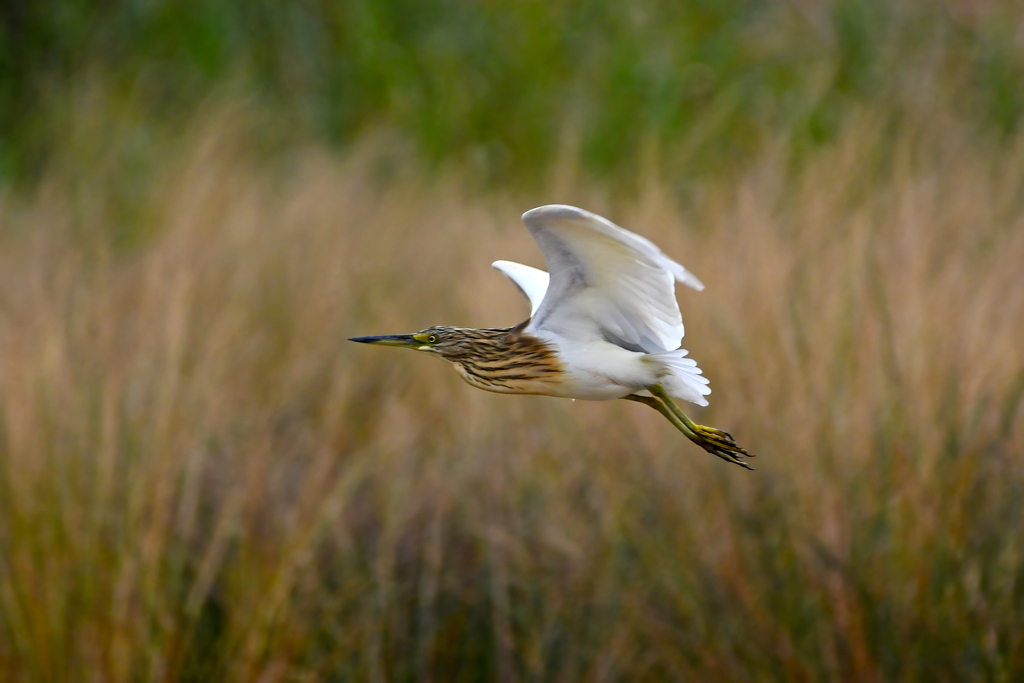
604,324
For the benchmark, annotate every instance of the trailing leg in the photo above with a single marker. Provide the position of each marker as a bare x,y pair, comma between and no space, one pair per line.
714,441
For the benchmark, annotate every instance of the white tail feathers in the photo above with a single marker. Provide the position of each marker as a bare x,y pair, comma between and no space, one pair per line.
682,378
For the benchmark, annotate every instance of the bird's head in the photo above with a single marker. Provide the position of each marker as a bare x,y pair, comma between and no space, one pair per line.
451,343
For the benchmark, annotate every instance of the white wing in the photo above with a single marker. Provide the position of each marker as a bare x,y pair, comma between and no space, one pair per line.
532,282
606,282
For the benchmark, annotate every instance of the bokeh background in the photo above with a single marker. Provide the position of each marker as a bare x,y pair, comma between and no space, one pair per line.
201,480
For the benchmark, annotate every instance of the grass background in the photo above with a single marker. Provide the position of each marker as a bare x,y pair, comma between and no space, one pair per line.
200,479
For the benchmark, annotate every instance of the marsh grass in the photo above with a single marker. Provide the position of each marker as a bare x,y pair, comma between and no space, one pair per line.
200,479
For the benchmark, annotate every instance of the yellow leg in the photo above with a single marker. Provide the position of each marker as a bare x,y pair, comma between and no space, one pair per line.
714,441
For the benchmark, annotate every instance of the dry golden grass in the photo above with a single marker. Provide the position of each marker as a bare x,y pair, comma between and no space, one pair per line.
200,479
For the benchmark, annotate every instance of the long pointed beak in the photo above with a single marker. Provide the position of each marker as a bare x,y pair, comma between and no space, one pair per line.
404,341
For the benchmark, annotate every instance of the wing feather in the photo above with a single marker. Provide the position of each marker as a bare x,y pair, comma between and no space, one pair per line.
532,282
605,282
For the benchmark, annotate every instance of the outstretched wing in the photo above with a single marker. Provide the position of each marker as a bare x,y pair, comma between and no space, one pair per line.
532,282
606,282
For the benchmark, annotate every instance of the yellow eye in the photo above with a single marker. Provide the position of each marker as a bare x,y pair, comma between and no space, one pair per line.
432,339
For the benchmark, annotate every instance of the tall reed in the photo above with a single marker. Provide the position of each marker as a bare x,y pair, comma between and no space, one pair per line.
200,479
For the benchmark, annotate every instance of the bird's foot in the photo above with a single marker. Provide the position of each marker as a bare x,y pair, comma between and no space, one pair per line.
714,441
719,443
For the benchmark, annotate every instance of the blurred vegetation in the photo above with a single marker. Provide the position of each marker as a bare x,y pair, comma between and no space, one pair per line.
200,480
692,87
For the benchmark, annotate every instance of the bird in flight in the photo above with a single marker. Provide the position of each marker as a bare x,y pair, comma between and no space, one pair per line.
604,324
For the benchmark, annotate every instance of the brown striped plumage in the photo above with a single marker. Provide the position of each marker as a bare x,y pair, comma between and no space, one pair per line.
504,360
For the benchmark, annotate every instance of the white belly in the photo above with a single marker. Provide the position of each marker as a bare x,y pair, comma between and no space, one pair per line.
600,371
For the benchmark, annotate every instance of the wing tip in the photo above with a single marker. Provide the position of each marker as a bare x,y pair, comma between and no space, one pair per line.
693,282
531,282
513,269
549,211
683,276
